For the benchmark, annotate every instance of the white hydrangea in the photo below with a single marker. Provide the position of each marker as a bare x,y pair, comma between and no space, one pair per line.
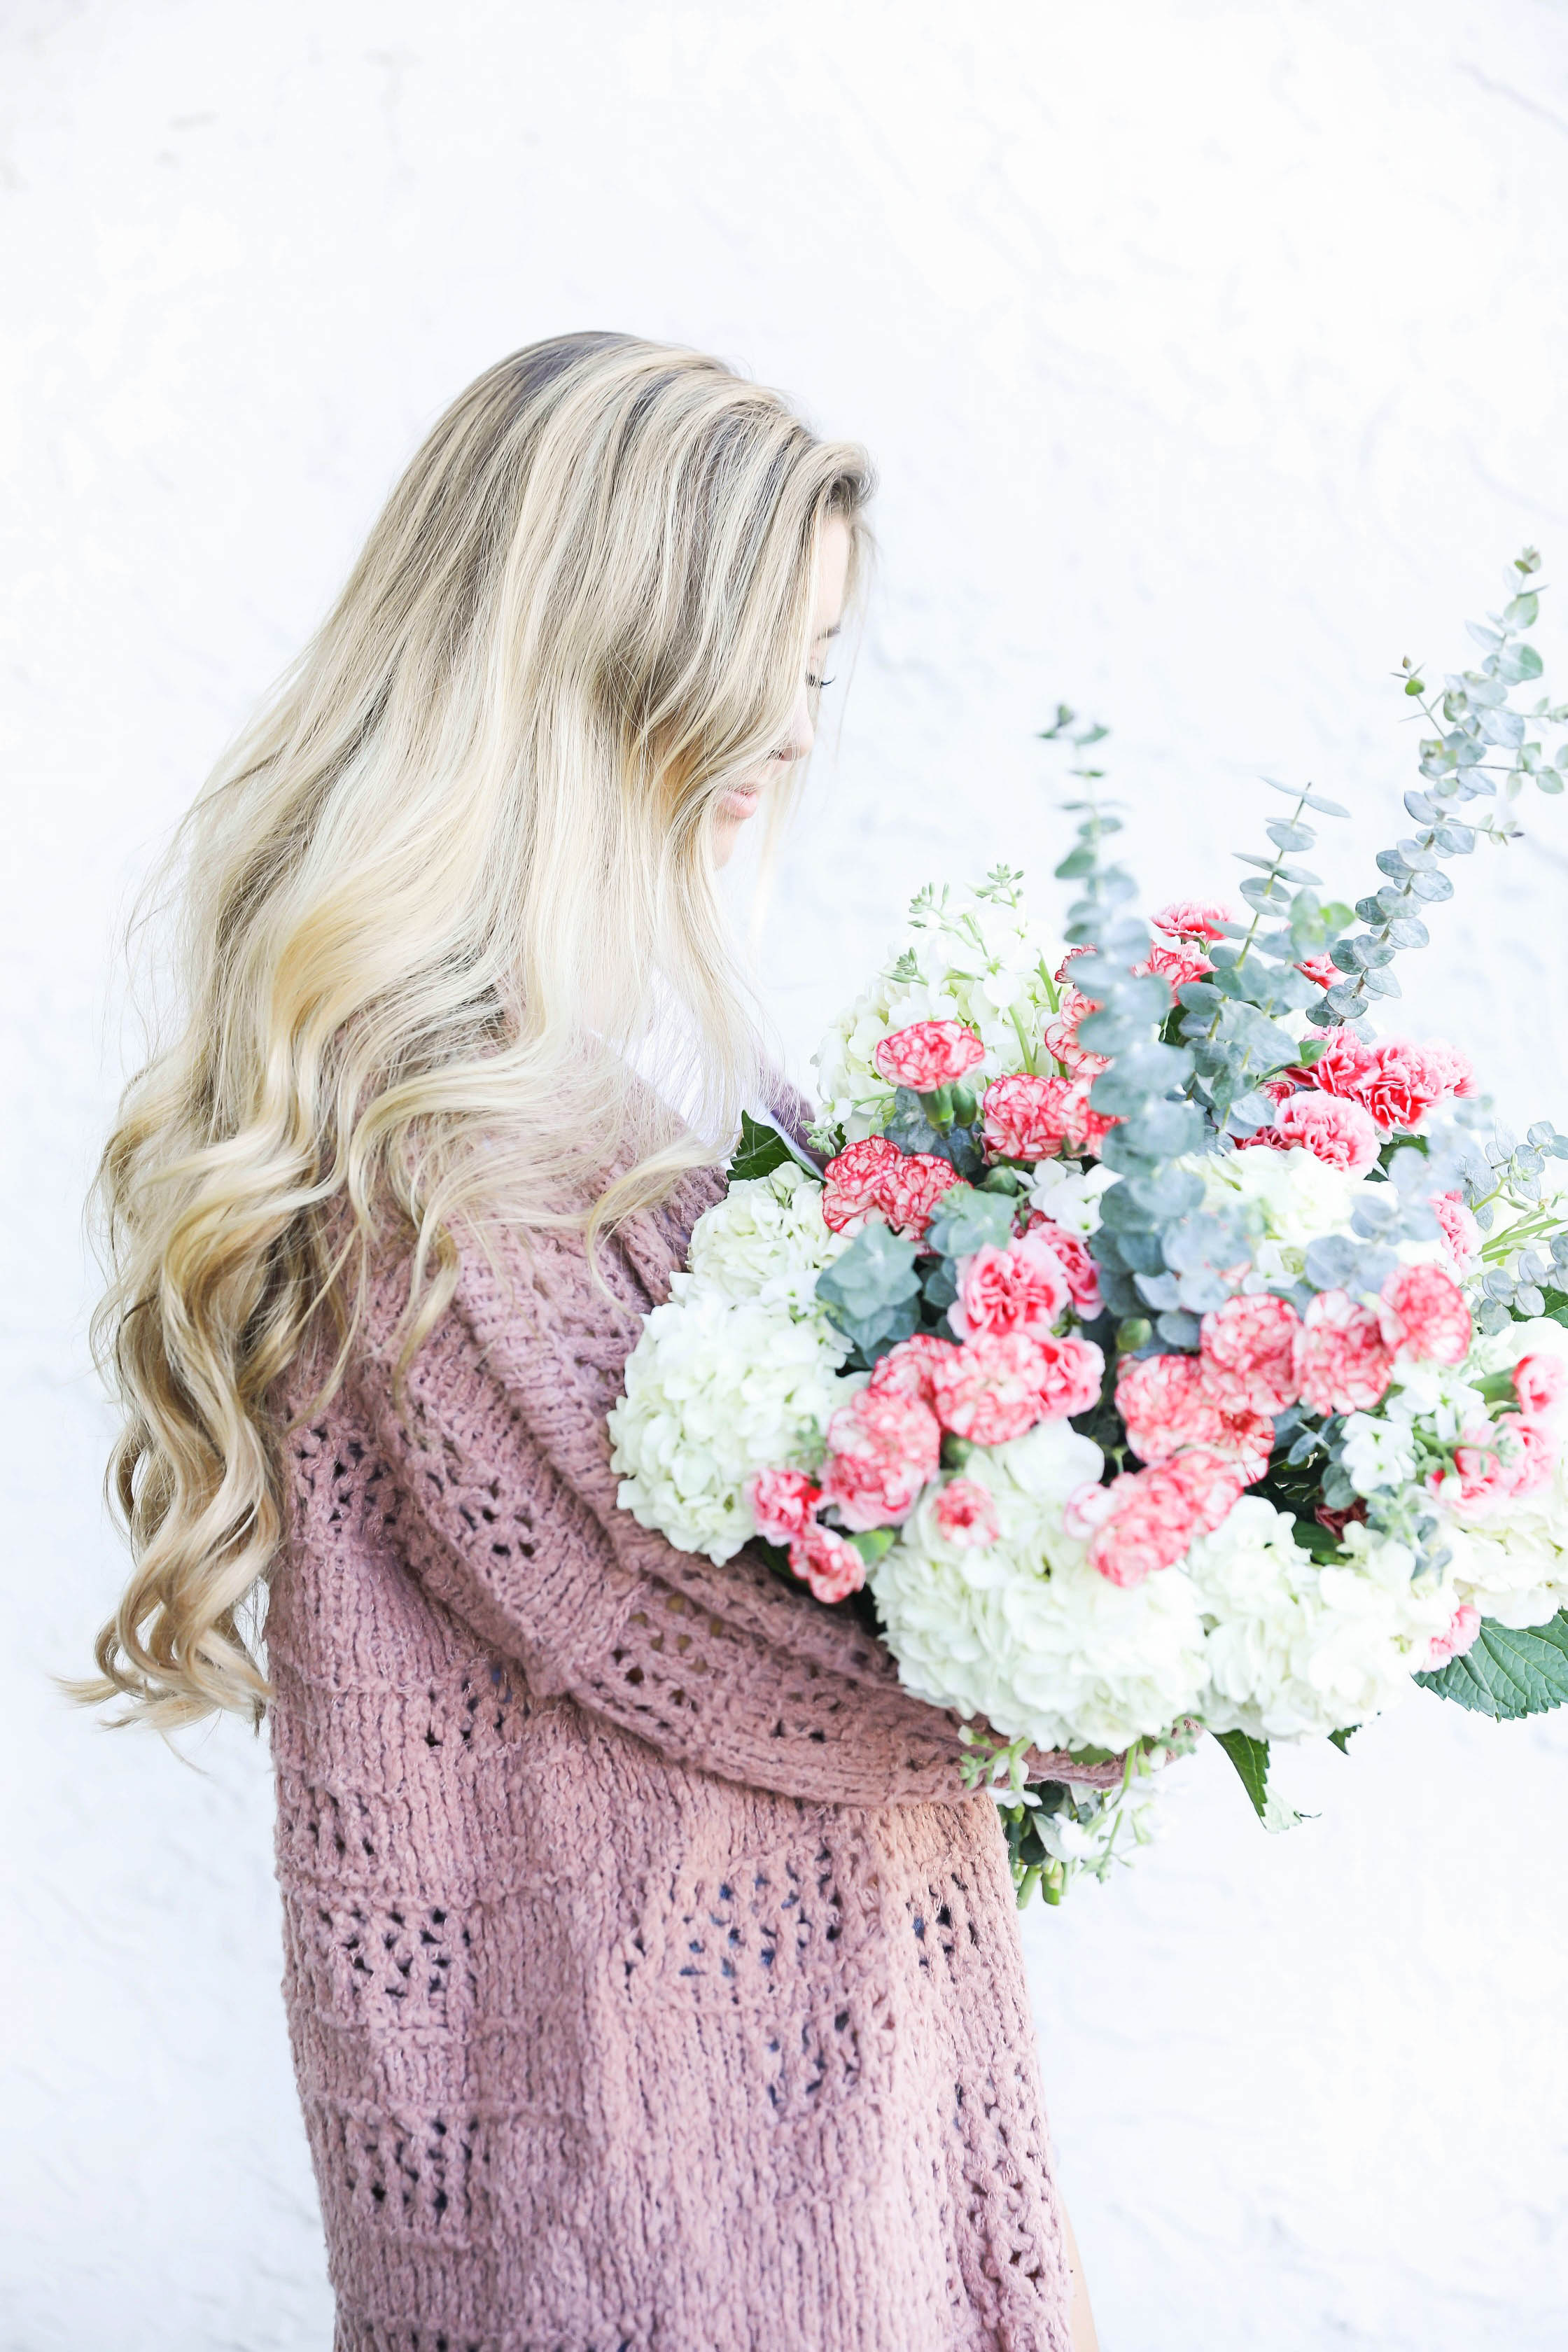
737,1372
1024,1632
717,1388
766,1239
1294,1648
1293,1198
1513,1564
977,960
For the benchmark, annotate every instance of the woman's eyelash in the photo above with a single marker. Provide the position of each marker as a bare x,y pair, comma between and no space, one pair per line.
817,682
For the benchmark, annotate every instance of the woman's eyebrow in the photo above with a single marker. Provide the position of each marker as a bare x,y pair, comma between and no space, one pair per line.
833,632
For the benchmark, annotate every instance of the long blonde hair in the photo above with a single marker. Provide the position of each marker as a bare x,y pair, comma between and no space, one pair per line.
426,904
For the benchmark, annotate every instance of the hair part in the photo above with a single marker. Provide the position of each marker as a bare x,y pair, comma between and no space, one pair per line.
429,907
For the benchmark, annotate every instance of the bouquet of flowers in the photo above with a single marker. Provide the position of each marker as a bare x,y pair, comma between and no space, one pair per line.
1149,1344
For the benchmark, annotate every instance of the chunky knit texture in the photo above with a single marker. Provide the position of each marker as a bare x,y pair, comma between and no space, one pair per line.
654,1985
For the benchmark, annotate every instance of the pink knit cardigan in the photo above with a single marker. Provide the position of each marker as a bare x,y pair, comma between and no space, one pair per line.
653,1984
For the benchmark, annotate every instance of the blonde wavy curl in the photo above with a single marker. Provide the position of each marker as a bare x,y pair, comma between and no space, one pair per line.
429,906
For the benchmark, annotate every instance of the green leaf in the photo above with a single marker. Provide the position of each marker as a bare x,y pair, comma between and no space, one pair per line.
1509,1672
760,1150
1250,1758
1342,1740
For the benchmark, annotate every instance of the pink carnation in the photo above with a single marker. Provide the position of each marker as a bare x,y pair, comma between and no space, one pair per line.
1460,1636
882,1449
1193,919
990,1389
910,1368
828,1562
1424,1315
927,1054
1499,1461
1177,965
1149,1521
1071,1254
1456,1069
1341,1362
1019,1289
1539,1382
1212,1484
1027,1118
1070,1375
1248,1353
911,1187
1264,1139
783,1503
1461,1234
1340,1133
1321,971
965,1511
1060,1036
852,1182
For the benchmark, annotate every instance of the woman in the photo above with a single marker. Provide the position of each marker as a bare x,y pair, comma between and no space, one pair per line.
652,1980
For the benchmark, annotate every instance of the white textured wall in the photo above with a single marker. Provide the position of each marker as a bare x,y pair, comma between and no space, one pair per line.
1212,355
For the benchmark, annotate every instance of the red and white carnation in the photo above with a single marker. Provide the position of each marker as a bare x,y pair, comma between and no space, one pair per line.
927,1054
989,1389
1248,1353
852,1183
1342,1362
827,1562
1060,1036
965,1512
783,1503
911,1188
1193,919
1177,965
1424,1316
1027,1118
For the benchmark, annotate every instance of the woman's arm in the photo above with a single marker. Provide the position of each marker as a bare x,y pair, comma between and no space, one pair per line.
510,1519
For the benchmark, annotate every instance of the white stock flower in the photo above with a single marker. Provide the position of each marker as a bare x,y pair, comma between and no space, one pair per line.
717,1388
1071,1195
1293,1648
1377,1454
1024,1632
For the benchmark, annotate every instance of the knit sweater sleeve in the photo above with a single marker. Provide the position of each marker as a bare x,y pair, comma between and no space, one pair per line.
497,1437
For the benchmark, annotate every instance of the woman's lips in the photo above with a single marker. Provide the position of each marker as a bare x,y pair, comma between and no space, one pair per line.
742,801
